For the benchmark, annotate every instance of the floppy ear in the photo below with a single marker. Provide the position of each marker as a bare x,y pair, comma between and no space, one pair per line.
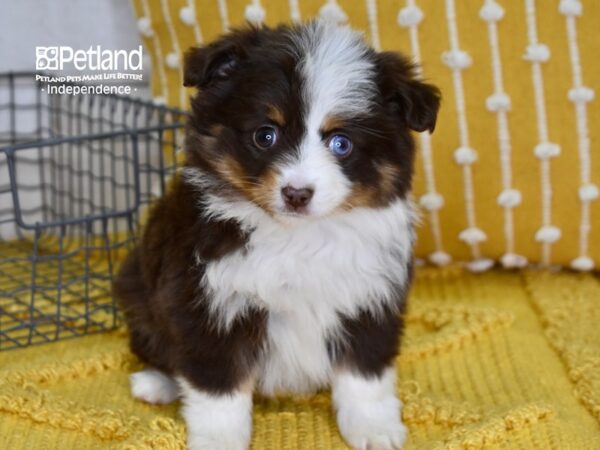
205,64
219,60
421,102
416,102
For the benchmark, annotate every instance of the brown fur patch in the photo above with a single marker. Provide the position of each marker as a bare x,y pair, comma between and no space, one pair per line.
331,123
361,196
367,195
276,115
388,178
259,191
231,171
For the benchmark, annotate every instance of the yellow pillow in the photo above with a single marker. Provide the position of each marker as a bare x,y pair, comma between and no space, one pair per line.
510,173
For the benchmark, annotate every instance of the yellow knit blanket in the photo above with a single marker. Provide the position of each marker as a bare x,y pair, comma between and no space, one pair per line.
499,360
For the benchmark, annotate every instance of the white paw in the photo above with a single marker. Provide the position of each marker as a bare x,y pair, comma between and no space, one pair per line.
374,426
153,386
216,422
368,411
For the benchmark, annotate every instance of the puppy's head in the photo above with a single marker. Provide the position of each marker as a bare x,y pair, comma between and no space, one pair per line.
304,121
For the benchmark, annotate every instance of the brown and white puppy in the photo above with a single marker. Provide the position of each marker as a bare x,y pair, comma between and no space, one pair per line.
281,258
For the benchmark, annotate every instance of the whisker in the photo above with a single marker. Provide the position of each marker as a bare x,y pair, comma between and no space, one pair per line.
368,130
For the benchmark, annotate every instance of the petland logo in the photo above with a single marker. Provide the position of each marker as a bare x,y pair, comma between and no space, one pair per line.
94,58
103,71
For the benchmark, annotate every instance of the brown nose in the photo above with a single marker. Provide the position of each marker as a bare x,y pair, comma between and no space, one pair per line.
296,198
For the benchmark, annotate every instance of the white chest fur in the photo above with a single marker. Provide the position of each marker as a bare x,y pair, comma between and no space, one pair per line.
304,276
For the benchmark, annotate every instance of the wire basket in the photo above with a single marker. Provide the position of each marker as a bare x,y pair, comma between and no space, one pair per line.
75,175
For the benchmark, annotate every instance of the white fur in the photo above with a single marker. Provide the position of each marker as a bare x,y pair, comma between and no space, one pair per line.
153,386
368,411
316,169
338,72
304,275
338,78
214,422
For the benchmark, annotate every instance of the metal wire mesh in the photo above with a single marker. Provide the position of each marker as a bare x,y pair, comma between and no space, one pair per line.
75,175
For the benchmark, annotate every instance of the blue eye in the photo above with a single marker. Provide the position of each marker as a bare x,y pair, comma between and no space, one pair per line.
340,145
265,137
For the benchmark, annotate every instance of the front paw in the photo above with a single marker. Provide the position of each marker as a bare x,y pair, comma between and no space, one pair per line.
373,426
368,411
216,422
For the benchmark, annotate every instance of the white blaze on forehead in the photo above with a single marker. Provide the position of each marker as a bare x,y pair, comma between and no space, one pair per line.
337,71
338,79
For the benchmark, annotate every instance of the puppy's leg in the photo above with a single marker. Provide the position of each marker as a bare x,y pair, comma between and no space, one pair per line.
368,410
153,386
216,372
217,421
364,384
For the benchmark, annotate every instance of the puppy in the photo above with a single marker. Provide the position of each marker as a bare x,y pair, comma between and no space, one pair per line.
280,259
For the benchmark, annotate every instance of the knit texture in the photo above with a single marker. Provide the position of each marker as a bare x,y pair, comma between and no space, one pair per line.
497,360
